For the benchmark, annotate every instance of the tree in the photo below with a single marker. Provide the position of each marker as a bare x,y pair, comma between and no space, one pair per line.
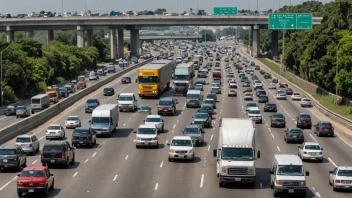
207,35
160,11
42,12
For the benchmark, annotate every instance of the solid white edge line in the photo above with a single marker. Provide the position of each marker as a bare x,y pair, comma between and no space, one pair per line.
333,163
201,181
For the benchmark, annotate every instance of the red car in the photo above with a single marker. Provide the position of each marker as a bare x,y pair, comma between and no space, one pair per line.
35,179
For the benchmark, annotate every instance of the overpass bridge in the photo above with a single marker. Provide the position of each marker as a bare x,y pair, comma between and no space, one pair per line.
117,24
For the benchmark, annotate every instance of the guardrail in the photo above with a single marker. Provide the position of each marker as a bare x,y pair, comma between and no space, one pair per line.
41,117
338,118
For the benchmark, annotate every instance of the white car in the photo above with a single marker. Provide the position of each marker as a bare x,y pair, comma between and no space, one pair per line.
281,95
28,143
248,96
341,178
93,76
233,86
255,115
156,120
72,122
147,135
310,151
296,96
181,147
258,85
55,131
272,86
306,102
232,92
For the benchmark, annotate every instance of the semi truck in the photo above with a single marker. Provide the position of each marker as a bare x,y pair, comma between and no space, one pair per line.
183,77
154,78
105,119
236,152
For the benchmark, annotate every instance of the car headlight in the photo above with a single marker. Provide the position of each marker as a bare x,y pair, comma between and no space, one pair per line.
155,138
138,138
190,151
251,171
130,105
171,108
172,151
224,169
302,183
279,182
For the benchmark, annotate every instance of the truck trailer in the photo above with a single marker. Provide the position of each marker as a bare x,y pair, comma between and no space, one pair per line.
183,77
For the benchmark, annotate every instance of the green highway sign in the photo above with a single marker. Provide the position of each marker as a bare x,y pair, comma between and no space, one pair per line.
225,10
290,21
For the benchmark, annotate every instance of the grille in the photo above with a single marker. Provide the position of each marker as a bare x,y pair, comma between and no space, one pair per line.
237,171
99,129
290,183
146,139
181,151
181,84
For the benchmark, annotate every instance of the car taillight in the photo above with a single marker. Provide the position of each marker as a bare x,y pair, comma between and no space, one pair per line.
289,135
16,144
301,134
308,118
63,155
301,119
42,184
15,159
19,184
30,145
304,152
337,181
321,128
41,154
273,119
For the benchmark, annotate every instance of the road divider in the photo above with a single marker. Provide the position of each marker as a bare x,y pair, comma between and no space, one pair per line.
35,120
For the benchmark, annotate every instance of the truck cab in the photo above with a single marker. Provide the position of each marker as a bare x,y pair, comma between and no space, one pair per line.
127,102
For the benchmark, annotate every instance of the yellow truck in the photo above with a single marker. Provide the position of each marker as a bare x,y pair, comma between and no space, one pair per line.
154,78
53,93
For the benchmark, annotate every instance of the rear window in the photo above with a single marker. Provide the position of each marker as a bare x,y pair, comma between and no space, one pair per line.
305,99
54,148
20,108
23,139
304,116
54,127
33,173
7,152
107,89
81,131
312,147
278,116
72,118
326,124
295,131
90,101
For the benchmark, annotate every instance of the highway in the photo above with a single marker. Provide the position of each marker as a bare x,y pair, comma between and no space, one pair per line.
115,168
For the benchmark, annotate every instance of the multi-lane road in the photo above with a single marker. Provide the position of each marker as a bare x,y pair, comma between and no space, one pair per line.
115,168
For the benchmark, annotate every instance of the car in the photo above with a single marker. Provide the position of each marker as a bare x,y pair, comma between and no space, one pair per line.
210,101
199,87
70,87
147,135
10,110
310,151
274,80
296,96
84,136
283,85
156,120
12,157
232,92
28,143
229,75
262,72
340,178
289,91
111,69
263,99
201,81
303,120
73,122
101,72
281,95
82,83
306,102
248,89
258,85
324,128
248,96
251,105
270,107
196,133
55,131
272,86
58,152
257,67
35,179
109,91
22,111
126,80
216,90
93,76
181,147
206,108
277,120
145,109
232,85
267,76
246,84
167,105
91,104
203,117
293,135
255,115
260,92
212,96
202,75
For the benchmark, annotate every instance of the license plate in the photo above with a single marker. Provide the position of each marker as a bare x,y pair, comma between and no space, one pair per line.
326,129
312,158
165,110
52,161
313,154
5,160
347,186
237,179
146,143
294,136
291,190
81,142
30,190
180,155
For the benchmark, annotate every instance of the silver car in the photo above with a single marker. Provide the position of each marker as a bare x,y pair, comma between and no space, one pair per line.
72,122
196,133
28,143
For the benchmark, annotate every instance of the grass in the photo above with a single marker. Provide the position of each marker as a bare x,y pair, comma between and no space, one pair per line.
271,65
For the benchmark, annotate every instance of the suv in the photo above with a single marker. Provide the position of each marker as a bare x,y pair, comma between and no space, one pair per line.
22,111
324,128
181,147
63,91
207,108
35,179
203,117
270,107
277,119
109,91
167,106
91,104
12,157
82,83
84,136
147,135
58,152
28,143
111,69
303,120
10,110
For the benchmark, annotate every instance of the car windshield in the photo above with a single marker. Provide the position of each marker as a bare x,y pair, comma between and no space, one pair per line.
206,107
92,101
254,112
153,120
193,96
181,77
146,131
312,147
148,79
306,99
293,170
53,148
144,108
181,143
125,98
33,173
252,105
296,94
189,130
72,118
270,105
209,101
201,115
237,154
165,102
53,127
126,78
263,97
346,173
262,92
62,89
326,124
36,101
23,139
20,108
304,116
81,131
200,82
100,120
10,108
7,151
81,78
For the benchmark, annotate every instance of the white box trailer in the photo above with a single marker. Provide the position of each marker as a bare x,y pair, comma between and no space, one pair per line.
236,152
40,102
105,119
183,77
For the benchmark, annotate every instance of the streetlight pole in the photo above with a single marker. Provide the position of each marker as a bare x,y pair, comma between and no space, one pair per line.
2,91
337,67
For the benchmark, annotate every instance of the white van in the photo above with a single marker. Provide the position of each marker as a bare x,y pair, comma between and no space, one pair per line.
288,175
105,119
127,102
40,102
194,98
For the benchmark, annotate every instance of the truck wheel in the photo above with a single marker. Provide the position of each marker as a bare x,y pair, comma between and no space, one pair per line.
221,184
275,194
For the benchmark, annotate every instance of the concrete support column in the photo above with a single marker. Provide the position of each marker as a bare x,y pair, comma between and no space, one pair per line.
89,38
121,46
113,44
134,42
80,36
274,44
50,35
138,43
256,41
10,34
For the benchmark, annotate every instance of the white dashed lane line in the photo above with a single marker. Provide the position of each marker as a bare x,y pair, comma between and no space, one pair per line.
126,157
94,154
74,175
114,178
278,148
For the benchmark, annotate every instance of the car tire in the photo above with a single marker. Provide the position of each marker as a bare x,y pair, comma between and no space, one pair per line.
38,148
46,191
67,165
330,183
157,145
221,184
334,189
137,146
19,194
25,163
275,194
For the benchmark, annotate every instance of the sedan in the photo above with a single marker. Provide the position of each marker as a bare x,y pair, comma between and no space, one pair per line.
289,91
303,120
232,92
55,131
310,151
216,90
109,91
294,135
126,80
277,120
72,122
263,99
248,96
272,86
296,96
270,107
324,128
248,89
202,82
341,178
306,102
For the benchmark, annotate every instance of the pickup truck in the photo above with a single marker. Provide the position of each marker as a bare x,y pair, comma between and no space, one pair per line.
64,92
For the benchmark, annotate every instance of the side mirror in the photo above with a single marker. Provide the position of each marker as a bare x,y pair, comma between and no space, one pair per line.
183,132
271,172
20,174
321,148
143,120
134,131
215,152
330,172
258,154
111,123
307,173
90,121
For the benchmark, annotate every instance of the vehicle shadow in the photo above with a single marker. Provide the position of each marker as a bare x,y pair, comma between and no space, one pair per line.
122,132
88,147
204,144
61,166
196,160
165,131
261,181
160,146
317,162
52,193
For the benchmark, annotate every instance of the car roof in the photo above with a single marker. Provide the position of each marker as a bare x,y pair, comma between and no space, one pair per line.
181,138
344,167
287,159
192,126
154,116
298,129
303,114
54,125
150,126
311,143
166,99
29,168
25,135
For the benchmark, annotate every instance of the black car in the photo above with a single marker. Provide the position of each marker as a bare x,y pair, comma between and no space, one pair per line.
91,104
303,121
289,91
278,120
58,152
270,107
84,136
262,72
212,96
12,157
109,91
202,75
248,89
294,135
10,110
167,106
263,99
267,76
260,92
324,128
201,81
257,67
64,92
126,80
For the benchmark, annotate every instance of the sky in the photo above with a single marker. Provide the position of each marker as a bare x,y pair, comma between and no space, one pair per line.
105,6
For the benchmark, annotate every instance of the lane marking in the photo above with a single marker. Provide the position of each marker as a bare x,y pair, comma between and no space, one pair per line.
161,165
269,130
313,138
211,137
94,154
156,186
86,161
261,185
35,161
333,163
114,178
41,138
278,148
5,185
126,157
209,147
272,135
174,126
124,124
201,181
104,141
74,175
177,120
318,194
